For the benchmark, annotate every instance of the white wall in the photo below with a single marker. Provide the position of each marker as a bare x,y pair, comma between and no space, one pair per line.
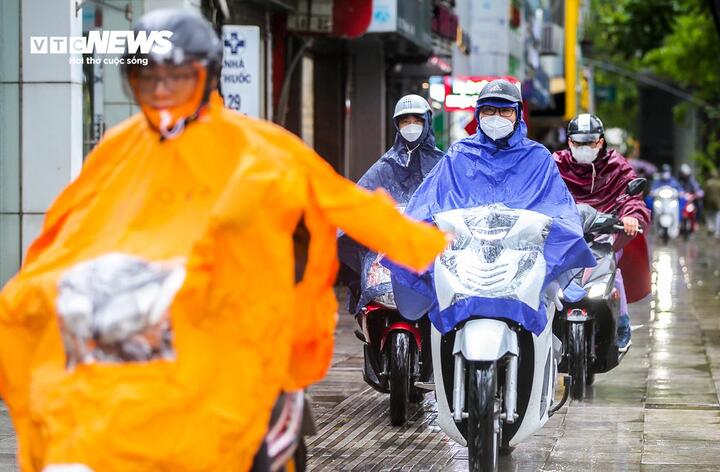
9,138
40,121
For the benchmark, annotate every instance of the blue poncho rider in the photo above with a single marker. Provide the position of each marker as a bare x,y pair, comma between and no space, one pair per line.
399,171
498,167
665,178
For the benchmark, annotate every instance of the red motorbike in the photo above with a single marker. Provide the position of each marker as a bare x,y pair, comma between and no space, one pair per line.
396,350
688,219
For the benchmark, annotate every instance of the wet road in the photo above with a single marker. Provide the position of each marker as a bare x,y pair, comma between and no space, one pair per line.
657,411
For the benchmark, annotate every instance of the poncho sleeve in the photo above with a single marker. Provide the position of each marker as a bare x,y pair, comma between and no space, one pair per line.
371,219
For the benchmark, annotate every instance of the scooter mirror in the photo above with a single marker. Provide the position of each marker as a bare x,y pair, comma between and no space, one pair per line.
636,186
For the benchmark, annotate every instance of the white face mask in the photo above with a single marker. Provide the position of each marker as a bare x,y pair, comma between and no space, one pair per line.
496,127
584,154
411,132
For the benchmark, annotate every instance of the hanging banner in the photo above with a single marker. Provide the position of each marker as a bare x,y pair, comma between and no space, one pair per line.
240,76
384,16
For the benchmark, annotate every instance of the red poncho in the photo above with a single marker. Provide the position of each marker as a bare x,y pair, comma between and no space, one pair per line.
600,185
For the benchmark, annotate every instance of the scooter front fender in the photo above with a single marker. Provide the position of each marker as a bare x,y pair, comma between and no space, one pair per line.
486,339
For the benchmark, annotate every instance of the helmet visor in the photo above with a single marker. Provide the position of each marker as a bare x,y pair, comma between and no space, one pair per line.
585,138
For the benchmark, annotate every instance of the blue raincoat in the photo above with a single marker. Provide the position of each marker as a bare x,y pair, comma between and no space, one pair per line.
515,172
672,182
399,172
404,166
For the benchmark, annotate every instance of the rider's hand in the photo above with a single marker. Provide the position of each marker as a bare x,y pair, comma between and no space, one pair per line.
631,225
552,292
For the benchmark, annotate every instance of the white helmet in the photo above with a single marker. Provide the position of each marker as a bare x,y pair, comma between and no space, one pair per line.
411,105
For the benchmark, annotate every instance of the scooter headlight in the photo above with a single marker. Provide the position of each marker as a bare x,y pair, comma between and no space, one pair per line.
596,291
665,193
673,203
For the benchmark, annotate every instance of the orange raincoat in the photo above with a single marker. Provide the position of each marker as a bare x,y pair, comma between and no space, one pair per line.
207,218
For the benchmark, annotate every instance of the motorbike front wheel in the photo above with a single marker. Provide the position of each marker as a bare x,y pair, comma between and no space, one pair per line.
590,379
578,360
400,357
484,431
665,235
298,462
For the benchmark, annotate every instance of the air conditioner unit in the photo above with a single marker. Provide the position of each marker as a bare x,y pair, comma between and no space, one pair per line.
551,42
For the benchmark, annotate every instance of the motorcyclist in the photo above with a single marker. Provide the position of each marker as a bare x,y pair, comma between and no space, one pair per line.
712,196
411,157
665,177
178,235
598,176
399,171
688,181
498,165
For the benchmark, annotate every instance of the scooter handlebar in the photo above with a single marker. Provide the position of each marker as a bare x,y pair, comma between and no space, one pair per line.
622,228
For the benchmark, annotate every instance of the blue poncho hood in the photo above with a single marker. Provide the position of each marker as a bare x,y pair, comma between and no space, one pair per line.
404,166
519,174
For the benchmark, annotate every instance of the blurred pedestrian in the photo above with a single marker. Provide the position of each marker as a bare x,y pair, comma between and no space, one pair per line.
712,202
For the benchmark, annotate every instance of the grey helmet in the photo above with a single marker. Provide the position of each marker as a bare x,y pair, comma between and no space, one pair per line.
500,89
193,39
411,105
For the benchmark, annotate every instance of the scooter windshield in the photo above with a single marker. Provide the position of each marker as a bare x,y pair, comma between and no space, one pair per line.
497,253
375,284
375,281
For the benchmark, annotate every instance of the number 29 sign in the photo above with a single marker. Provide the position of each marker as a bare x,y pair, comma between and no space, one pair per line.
240,75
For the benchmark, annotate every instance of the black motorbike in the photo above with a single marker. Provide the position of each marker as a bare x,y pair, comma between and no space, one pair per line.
587,325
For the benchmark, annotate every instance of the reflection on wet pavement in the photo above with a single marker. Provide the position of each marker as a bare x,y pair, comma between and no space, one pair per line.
658,411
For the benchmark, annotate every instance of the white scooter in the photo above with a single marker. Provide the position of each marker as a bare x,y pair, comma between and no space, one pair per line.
494,380
666,212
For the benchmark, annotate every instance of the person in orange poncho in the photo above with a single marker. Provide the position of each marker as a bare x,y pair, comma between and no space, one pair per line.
161,311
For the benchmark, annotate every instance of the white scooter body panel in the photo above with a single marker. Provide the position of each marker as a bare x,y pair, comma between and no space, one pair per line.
496,253
665,209
541,395
445,419
485,339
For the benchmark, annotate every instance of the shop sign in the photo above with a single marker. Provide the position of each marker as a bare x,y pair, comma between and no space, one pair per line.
461,93
384,16
409,18
240,75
